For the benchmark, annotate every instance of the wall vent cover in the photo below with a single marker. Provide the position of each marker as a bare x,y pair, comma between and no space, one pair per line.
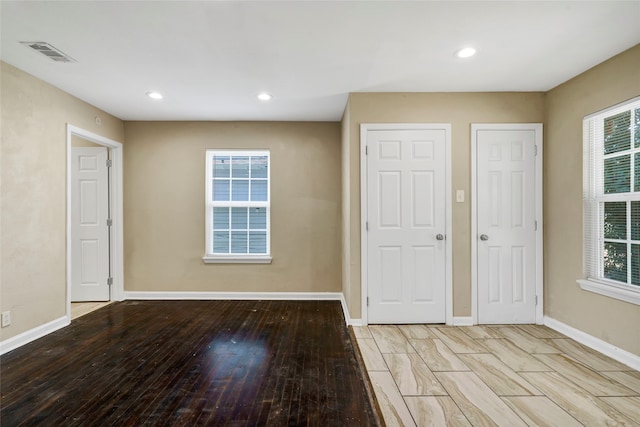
49,51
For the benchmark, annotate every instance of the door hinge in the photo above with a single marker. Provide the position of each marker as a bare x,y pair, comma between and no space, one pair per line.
535,148
536,299
366,150
110,281
367,301
536,225
108,163
366,226
109,222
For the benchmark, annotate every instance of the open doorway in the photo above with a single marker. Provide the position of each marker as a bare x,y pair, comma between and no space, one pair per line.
94,221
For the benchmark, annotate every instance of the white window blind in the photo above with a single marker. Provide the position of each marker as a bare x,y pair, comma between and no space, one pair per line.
612,196
237,206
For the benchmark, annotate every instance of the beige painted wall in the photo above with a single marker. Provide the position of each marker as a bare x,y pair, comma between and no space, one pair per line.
459,109
33,196
164,207
77,141
346,203
607,84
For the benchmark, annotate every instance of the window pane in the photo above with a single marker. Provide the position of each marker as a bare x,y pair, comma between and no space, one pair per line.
240,190
258,218
258,242
635,265
637,127
221,242
615,261
237,181
636,178
238,242
617,175
239,218
259,167
615,220
635,220
220,218
220,189
617,132
221,166
240,167
259,190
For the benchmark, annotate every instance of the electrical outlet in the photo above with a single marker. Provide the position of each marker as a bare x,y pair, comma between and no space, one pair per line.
6,318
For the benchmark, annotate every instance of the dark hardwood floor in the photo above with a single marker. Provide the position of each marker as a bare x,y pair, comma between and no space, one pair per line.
218,363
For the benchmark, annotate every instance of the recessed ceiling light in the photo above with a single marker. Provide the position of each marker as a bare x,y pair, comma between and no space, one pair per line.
466,52
154,95
264,96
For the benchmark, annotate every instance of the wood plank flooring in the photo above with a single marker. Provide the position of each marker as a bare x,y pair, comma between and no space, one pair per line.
187,363
433,375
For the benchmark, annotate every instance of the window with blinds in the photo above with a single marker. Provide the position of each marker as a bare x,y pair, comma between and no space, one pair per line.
237,206
612,198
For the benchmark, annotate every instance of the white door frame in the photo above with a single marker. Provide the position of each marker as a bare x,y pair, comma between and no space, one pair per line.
537,128
115,191
364,256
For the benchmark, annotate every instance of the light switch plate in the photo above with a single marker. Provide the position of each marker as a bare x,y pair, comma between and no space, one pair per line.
460,196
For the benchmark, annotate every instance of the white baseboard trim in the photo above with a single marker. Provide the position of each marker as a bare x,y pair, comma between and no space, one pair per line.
462,321
33,334
355,322
597,344
332,296
347,316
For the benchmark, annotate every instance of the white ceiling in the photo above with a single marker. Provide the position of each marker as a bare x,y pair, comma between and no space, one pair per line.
210,59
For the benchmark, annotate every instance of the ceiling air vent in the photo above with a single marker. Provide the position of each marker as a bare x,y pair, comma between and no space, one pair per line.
49,51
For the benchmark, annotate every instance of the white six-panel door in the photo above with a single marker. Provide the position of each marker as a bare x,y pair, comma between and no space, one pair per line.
406,225
89,230
506,225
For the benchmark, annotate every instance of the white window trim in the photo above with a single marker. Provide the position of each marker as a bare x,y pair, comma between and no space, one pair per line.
611,289
236,259
211,258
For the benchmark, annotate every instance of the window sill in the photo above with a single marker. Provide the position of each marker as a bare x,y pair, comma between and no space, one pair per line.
611,290
231,259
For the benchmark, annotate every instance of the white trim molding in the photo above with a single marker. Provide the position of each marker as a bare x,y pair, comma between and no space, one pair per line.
33,334
538,129
347,316
294,296
116,195
230,259
611,290
364,128
597,344
462,321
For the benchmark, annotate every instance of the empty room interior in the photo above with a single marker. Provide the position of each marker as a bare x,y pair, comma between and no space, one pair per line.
320,213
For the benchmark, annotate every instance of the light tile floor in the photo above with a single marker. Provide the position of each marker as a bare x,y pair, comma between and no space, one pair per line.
79,309
435,375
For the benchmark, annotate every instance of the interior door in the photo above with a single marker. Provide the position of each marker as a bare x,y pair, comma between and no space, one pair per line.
89,229
406,216
506,225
